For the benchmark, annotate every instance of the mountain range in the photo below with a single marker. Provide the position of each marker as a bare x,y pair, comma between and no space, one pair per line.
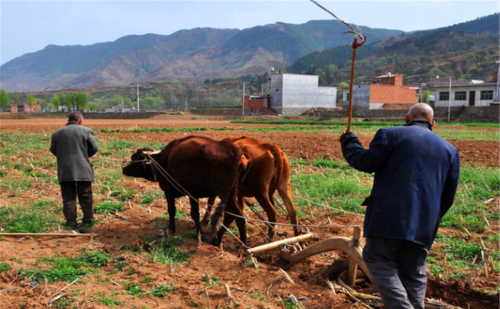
204,53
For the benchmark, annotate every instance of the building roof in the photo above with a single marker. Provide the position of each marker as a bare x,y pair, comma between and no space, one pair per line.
388,75
459,83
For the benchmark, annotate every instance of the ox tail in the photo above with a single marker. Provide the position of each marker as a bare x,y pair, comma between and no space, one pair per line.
279,162
233,185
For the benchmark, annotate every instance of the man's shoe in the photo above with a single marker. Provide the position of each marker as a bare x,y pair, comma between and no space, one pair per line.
91,221
70,224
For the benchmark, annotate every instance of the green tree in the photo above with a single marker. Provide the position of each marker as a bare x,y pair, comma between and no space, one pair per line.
93,106
81,100
4,100
62,100
69,102
117,101
31,101
55,102
128,103
425,95
15,97
44,103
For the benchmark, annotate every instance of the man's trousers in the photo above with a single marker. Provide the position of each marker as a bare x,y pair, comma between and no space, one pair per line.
69,191
398,270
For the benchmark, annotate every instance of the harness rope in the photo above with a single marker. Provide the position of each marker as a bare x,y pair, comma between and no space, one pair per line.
177,186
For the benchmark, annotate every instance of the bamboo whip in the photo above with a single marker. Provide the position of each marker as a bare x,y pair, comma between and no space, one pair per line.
279,243
351,86
362,39
48,234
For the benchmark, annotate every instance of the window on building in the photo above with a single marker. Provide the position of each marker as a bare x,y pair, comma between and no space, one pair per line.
348,96
487,95
460,95
444,96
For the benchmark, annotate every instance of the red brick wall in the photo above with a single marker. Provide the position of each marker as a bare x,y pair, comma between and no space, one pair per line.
392,94
253,106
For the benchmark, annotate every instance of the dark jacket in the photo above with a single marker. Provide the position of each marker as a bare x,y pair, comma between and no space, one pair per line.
73,145
416,177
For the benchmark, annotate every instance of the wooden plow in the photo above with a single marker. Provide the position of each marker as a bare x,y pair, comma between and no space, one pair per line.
293,252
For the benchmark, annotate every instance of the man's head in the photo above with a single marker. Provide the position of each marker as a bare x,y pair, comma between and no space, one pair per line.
75,117
421,111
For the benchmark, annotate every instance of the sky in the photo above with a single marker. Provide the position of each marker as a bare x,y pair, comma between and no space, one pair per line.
29,26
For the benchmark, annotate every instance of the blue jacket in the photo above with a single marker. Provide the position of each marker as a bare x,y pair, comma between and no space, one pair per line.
416,178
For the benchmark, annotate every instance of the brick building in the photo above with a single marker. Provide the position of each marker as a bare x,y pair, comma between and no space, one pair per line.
386,90
25,108
254,105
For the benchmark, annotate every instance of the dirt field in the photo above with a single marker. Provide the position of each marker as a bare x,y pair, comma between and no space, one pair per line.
250,287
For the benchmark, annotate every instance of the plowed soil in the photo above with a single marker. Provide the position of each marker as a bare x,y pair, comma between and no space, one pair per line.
250,287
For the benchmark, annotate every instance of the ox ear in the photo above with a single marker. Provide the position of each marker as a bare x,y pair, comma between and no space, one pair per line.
245,166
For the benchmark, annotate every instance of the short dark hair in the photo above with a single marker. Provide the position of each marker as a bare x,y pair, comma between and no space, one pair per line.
75,116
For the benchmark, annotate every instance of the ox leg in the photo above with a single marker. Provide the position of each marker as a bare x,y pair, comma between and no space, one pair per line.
286,194
228,220
268,207
233,208
171,213
195,215
206,217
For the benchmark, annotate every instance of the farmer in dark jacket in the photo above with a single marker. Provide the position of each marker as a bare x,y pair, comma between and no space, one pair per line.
416,177
73,145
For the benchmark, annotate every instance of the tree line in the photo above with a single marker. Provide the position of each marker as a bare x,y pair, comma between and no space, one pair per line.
162,96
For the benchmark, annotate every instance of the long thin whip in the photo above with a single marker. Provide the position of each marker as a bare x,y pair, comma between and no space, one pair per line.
355,44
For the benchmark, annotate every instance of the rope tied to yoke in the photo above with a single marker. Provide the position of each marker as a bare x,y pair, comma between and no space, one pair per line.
183,190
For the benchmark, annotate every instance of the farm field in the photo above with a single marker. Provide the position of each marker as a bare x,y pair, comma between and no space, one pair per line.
128,264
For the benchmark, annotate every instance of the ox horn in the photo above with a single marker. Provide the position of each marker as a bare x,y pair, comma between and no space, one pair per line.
150,153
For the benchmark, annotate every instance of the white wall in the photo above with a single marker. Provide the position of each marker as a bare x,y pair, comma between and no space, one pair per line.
477,88
294,93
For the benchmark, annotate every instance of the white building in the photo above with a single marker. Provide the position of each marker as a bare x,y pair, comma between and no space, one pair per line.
292,94
464,93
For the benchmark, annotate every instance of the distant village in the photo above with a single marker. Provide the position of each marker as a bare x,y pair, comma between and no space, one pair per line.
292,94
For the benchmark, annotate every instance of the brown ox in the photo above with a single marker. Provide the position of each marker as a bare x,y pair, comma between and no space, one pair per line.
197,167
270,171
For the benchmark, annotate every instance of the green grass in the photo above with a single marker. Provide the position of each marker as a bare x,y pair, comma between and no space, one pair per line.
66,268
166,251
217,107
64,302
148,130
95,259
108,207
107,301
369,128
38,218
4,267
333,186
133,288
160,291
355,123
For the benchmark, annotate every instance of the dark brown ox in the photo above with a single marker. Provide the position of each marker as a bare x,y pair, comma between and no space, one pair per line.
196,167
270,172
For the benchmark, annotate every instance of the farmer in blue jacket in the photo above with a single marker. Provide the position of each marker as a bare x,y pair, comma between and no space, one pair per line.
416,177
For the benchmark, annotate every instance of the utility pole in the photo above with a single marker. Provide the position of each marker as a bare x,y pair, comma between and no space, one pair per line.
243,101
138,108
496,98
449,102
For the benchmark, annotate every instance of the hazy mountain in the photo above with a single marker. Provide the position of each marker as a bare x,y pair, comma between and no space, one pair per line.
184,55
464,51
